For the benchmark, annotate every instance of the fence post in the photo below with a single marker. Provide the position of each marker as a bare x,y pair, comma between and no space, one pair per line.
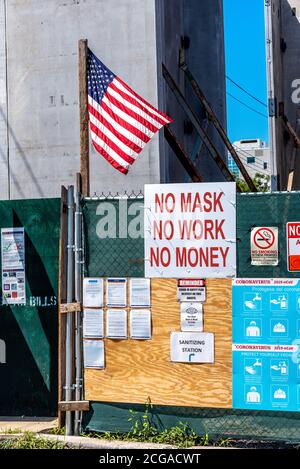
78,298
69,320
62,297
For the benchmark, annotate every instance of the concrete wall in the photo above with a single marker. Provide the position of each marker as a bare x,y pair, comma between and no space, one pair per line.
43,88
286,69
4,167
130,37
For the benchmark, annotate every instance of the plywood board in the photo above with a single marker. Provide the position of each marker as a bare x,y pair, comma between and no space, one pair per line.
136,370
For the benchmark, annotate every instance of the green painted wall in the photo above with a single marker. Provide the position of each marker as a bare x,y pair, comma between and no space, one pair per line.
29,376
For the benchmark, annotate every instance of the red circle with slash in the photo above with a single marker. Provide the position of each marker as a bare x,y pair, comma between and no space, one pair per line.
264,236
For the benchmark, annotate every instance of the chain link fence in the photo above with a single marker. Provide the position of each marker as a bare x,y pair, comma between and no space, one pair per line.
122,254
113,233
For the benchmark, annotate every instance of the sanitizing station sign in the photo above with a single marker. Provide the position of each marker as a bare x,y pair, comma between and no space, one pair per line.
192,347
190,230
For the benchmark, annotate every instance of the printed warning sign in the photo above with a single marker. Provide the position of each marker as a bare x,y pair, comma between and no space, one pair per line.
191,290
264,245
190,230
293,246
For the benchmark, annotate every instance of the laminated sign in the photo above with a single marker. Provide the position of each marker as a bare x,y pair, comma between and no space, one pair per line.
265,344
293,246
190,230
264,245
13,266
191,290
192,347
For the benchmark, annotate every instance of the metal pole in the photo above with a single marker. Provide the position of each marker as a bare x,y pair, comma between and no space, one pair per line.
69,319
271,95
78,317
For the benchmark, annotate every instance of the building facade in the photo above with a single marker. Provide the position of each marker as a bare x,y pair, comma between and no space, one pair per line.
283,66
39,113
255,156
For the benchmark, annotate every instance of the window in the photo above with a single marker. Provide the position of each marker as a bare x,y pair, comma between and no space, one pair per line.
250,159
265,165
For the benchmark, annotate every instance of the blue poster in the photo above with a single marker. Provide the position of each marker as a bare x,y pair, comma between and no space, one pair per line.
265,344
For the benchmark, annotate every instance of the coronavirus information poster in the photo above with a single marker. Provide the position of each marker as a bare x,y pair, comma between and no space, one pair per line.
13,266
266,338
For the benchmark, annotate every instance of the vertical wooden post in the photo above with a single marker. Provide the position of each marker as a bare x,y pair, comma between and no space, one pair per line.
84,117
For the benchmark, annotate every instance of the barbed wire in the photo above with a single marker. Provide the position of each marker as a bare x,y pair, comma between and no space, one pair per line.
115,196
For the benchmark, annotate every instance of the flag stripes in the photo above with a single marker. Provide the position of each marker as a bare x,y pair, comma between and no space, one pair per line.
121,121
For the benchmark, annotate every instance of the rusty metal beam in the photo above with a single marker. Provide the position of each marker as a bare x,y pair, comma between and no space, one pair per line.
197,124
213,118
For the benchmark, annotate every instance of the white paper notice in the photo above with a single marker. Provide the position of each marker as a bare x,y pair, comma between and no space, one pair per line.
93,353
192,347
13,265
140,324
116,289
140,292
92,292
191,317
116,323
93,323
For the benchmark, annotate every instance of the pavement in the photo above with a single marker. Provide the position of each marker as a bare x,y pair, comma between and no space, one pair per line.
26,424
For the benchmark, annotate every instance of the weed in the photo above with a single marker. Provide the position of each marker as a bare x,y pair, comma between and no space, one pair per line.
11,431
143,429
30,441
204,440
57,431
224,442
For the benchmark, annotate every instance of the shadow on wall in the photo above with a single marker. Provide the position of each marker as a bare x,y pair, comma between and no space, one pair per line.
29,373
12,178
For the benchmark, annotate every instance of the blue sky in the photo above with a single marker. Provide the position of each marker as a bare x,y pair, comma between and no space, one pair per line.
246,65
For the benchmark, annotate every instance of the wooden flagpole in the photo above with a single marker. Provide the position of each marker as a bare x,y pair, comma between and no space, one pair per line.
84,117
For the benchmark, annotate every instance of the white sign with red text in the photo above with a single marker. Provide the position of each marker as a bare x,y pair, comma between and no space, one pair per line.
293,246
190,230
264,245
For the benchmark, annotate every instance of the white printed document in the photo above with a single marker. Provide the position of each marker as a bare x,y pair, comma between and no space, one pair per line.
140,292
191,317
93,323
93,292
140,324
93,353
116,323
116,292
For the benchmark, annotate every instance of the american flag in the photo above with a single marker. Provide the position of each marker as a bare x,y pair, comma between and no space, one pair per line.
121,121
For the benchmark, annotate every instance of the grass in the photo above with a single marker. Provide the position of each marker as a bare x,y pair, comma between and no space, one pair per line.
31,441
143,430
11,431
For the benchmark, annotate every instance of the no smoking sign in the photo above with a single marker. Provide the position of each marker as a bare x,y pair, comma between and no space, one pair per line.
264,245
